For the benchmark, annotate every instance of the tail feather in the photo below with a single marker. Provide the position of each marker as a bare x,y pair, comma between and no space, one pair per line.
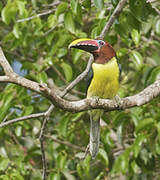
94,132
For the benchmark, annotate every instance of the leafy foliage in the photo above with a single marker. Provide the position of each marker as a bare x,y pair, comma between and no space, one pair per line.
35,36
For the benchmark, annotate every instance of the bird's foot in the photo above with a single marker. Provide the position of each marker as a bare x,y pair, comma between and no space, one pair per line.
96,98
118,101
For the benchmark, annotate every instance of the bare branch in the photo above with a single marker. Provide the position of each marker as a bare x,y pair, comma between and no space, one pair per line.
109,105
37,15
79,78
21,119
4,78
76,106
114,15
4,63
66,143
41,139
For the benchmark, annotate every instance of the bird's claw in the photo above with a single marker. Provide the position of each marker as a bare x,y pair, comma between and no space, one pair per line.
118,101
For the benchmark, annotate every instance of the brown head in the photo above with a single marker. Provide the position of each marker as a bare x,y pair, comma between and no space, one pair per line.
101,50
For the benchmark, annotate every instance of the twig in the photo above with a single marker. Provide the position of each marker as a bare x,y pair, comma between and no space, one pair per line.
52,4
79,78
41,139
66,143
37,15
6,123
114,15
5,64
86,152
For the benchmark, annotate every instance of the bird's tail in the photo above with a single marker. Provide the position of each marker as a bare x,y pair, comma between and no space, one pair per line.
94,132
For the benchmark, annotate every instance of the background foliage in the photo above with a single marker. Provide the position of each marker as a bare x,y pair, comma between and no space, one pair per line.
37,48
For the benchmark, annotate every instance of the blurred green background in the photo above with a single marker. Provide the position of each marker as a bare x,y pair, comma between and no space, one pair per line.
37,48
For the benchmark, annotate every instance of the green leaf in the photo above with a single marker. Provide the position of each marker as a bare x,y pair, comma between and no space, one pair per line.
61,161
135,167
140,9
76,55
137,59
74,6
67,71
42,77
36,127
122,162
153,75
76,9
28,110
68,175
6,101
136,147
9,12
99,3
136,37
157,27
54,176
16,176
21,7
69,22
103,155
63,126
122,52
62,7
18,131
52,21
80,171
144,124
87,3
4,162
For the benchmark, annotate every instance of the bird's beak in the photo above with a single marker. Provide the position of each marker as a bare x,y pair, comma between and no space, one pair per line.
88,45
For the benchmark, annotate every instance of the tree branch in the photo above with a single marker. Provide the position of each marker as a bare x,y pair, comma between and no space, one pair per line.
4,63
37,15
114,15
66,143
21,119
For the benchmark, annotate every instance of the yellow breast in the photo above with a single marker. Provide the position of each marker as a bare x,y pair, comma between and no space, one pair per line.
105,82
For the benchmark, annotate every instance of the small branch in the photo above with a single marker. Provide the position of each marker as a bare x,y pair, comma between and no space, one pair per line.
114,15
37,15
79,78
4,63
6,123
77,106
41,139
4,78
66,143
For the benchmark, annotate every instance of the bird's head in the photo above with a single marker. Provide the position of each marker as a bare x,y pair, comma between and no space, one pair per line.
101,50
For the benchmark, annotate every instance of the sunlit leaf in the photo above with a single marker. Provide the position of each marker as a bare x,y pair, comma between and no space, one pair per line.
99,3
157,27
9,12
137,59
62,7
67,71
103,156
135,36
68,175
69,22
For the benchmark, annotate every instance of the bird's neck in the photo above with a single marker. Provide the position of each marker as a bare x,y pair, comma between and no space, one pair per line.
106,54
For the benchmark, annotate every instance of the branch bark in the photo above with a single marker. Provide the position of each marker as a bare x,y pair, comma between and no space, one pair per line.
76,106
37,115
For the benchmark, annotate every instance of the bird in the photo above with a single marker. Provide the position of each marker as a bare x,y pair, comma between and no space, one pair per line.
102,81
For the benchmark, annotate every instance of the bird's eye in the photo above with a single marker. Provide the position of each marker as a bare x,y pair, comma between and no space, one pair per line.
101,43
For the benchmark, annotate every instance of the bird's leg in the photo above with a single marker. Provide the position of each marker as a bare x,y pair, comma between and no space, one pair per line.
96,98
118,101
